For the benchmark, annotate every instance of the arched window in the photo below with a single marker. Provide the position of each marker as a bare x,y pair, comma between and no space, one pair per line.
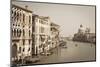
23,42
14,50
12,14
23,32
29,33
15,16
20,17
20,32
12,32
15,32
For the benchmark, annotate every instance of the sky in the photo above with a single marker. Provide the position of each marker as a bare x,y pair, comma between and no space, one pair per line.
68,17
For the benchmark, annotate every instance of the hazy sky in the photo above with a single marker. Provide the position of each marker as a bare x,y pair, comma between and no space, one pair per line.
69,17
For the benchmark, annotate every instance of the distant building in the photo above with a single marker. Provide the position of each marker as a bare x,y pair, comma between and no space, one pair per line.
84,35
54,35
81,30
91,37
21,20
87,30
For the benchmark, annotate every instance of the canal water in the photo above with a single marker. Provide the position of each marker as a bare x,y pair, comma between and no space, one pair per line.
75,52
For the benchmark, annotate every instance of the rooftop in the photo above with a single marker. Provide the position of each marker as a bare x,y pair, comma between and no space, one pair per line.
42,17
53,24
13,5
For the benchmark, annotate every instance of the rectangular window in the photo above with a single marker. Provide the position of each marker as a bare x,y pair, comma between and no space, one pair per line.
42,29
29,19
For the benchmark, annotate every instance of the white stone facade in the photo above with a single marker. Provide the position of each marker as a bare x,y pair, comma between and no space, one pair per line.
21,26
41,33
45,38
54,35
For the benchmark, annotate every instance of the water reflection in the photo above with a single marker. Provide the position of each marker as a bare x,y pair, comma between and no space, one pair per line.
75,51
78,51
76,45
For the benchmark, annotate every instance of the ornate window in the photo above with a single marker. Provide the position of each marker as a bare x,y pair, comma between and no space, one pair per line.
19,32
29,33
12,32
23,42
23,32
20,17
12,14
15,32
15,16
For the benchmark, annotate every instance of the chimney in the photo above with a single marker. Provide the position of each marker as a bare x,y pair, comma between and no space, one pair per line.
26,6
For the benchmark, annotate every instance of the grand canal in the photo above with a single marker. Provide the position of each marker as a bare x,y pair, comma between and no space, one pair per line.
75,51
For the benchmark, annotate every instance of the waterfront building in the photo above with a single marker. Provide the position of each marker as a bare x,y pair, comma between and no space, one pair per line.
54,35
21,26
40,34
81,30
84,35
